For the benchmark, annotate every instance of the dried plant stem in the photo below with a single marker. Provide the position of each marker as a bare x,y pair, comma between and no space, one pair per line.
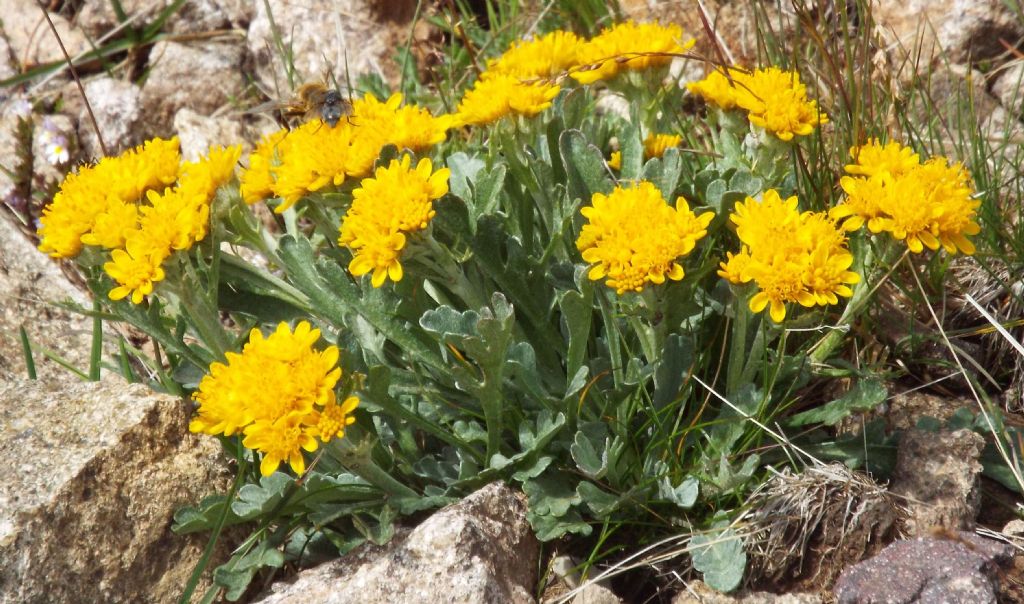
74,74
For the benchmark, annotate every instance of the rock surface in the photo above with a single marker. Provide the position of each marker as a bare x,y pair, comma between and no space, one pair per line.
348,34
30,38
29,284
97,17
968,30
937,475
116,106
478,550
201,76
99,469
958,569
198,133
697,592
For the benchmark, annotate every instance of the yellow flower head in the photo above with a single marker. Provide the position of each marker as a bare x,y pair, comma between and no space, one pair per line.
615,160
257,181
791,256
396,201
926,205
718,88
655,145
630,46
496,96
776,101
543,57
205,176
874,158
405,126
135,269
89,193
276,392
112,226
633,237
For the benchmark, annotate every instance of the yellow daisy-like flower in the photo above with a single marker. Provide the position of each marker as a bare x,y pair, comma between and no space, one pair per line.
494,97
257,181
405,126
629,46
283,440
396,201
136,269
111,227
655,145
874,158
717,88
615,161
543,57
633,237
88,193
776,101
279,392
791,256
205,176
926,205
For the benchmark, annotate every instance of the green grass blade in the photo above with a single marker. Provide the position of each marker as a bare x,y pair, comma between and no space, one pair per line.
26,349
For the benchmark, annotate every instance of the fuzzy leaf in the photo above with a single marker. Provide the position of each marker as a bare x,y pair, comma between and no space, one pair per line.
254,500
590,449
600,502
584,166
684,495
719,556
864,396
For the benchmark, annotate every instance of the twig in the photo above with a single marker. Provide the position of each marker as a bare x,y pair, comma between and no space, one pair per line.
74,74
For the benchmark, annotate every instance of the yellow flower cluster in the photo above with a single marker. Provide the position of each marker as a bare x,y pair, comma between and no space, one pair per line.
173,220
523,81
629,46
291,164
98,199
102,206
791,256
279,393
633,237
396,201
926,204
655,145
774,99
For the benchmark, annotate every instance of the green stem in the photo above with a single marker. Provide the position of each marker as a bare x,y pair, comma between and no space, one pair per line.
205,317
738,351
356,459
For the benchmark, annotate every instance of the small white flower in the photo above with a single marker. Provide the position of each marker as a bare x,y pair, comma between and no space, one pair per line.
20,107
56,151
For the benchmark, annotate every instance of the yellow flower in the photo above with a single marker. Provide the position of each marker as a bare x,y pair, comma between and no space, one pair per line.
717,88
791,256
405,126
633,237
175,219
543,57
86,194
925,205
205,176
776,101
136,269
396,201
874,158
496,96
655,145
615,161
277,392
112,226
629,45
257,181
282,440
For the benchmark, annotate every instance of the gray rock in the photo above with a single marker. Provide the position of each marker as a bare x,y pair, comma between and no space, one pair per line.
480,549
937,475
117,108
965,29
697,592
321,34
29,284
97,17
30,38
959,569
1009,88
99,469
198,133
596,594
199,76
